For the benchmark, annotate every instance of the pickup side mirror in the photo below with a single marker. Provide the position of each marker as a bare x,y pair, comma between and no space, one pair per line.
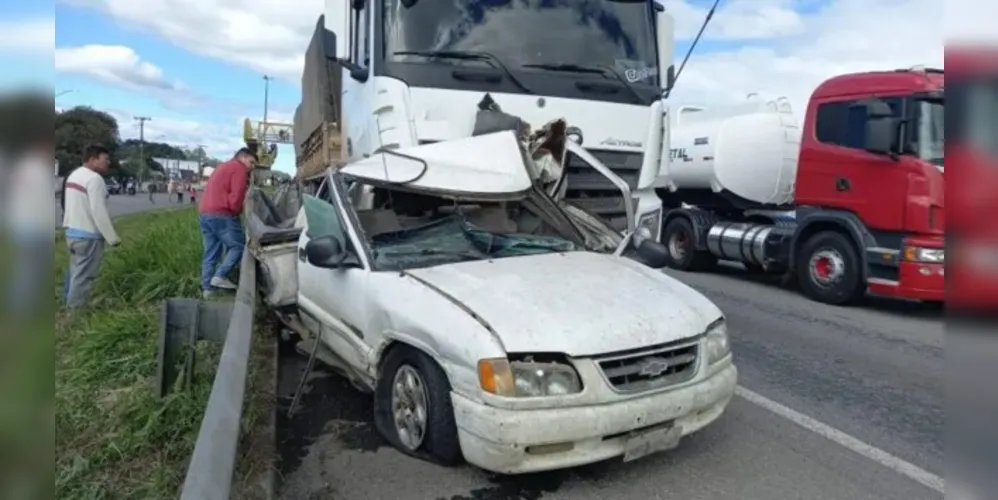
650,252
325,251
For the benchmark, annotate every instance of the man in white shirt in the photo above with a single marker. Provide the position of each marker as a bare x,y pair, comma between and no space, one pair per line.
88,224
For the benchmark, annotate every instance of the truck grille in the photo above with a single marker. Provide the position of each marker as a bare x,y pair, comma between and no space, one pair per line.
651,368
589,190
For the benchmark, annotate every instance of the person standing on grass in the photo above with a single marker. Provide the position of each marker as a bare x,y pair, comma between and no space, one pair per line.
221,229
88,224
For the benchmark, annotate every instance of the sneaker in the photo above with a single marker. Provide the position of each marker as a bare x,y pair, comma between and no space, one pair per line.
223,283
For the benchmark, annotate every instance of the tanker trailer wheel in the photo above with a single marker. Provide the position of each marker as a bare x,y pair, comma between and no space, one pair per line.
828,269
683,255
413,407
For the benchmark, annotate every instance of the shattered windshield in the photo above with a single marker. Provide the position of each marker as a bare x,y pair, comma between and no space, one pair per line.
406,230
456,239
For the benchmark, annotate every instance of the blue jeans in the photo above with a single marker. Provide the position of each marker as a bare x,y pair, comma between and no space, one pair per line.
220,233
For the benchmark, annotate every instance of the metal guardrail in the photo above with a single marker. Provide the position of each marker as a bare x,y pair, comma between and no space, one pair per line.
209,475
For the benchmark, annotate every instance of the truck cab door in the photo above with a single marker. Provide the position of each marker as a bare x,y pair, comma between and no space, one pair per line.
835,171
334,300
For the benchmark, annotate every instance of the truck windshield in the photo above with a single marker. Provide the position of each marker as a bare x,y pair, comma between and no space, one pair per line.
618,34
930,131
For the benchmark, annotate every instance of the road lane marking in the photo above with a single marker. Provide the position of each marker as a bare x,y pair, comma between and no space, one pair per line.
853,444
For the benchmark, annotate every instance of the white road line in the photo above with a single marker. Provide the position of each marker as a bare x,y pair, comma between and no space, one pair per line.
892,462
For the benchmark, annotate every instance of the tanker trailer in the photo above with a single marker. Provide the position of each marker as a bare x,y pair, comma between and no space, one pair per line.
849,202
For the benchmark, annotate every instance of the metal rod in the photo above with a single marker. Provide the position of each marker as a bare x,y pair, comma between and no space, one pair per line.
304,377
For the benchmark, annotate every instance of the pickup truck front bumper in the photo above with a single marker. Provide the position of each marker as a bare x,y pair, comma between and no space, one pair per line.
521,441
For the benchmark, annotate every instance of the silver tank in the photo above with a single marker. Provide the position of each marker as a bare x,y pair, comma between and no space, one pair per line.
739,241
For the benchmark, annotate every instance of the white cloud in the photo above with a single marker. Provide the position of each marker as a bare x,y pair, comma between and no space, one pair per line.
267,36
772,47
971,21
33,36
843,36
782,51
220,139
738,19
113,64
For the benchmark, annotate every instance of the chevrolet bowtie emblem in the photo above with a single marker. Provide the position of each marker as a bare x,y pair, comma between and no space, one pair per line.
653,367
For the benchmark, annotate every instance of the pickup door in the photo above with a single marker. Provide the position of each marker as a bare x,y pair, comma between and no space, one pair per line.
337,299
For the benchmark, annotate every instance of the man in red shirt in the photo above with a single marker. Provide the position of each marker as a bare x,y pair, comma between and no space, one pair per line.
221,206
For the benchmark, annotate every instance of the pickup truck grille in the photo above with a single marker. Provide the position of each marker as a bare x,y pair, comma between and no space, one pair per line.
651,368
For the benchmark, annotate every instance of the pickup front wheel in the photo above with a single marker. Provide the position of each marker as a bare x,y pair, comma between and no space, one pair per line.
413,407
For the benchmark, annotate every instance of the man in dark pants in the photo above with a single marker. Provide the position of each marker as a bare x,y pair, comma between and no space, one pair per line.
221,229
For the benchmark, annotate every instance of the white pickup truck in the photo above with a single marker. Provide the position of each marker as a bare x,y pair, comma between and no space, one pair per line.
492,323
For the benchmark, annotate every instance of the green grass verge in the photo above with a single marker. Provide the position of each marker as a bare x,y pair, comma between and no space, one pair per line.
115,438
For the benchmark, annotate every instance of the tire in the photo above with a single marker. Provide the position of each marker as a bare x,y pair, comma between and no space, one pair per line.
841,282
439,443
684,256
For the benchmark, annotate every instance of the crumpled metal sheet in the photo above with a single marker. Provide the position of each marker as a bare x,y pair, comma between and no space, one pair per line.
272,217
543,150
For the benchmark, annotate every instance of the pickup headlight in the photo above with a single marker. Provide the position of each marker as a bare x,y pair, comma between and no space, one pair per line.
924,255
718,347
651,221
527,379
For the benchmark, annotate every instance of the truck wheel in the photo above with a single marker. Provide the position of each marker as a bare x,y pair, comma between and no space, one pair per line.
414,402
678,239
828,269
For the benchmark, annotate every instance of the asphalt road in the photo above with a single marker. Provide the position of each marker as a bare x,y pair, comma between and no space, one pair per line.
123,204
835,403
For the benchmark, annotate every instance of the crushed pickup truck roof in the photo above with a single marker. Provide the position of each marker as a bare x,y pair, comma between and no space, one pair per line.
489,164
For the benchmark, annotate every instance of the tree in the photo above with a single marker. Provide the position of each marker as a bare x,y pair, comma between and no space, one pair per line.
79,127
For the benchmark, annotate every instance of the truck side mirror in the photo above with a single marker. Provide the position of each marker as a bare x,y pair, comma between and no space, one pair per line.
325,251
881,135
881,126
665,27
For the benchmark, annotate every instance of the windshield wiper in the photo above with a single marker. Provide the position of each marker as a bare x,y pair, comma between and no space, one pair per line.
432,252
468,55
598,69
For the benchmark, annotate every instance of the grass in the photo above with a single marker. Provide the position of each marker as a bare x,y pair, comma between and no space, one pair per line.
115,438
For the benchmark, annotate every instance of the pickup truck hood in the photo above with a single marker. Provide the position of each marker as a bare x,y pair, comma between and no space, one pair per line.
577,303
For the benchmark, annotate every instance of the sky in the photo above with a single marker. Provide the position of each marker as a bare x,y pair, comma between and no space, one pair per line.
196,67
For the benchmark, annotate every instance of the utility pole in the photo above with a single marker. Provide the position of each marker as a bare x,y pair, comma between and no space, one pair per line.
142,140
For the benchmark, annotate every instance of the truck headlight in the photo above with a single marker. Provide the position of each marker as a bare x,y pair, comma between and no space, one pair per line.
718,347
924,255
527,379
652,221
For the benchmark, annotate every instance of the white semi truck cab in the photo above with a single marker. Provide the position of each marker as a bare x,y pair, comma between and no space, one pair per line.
414,72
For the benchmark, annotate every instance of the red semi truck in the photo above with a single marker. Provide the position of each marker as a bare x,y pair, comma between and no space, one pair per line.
850,202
